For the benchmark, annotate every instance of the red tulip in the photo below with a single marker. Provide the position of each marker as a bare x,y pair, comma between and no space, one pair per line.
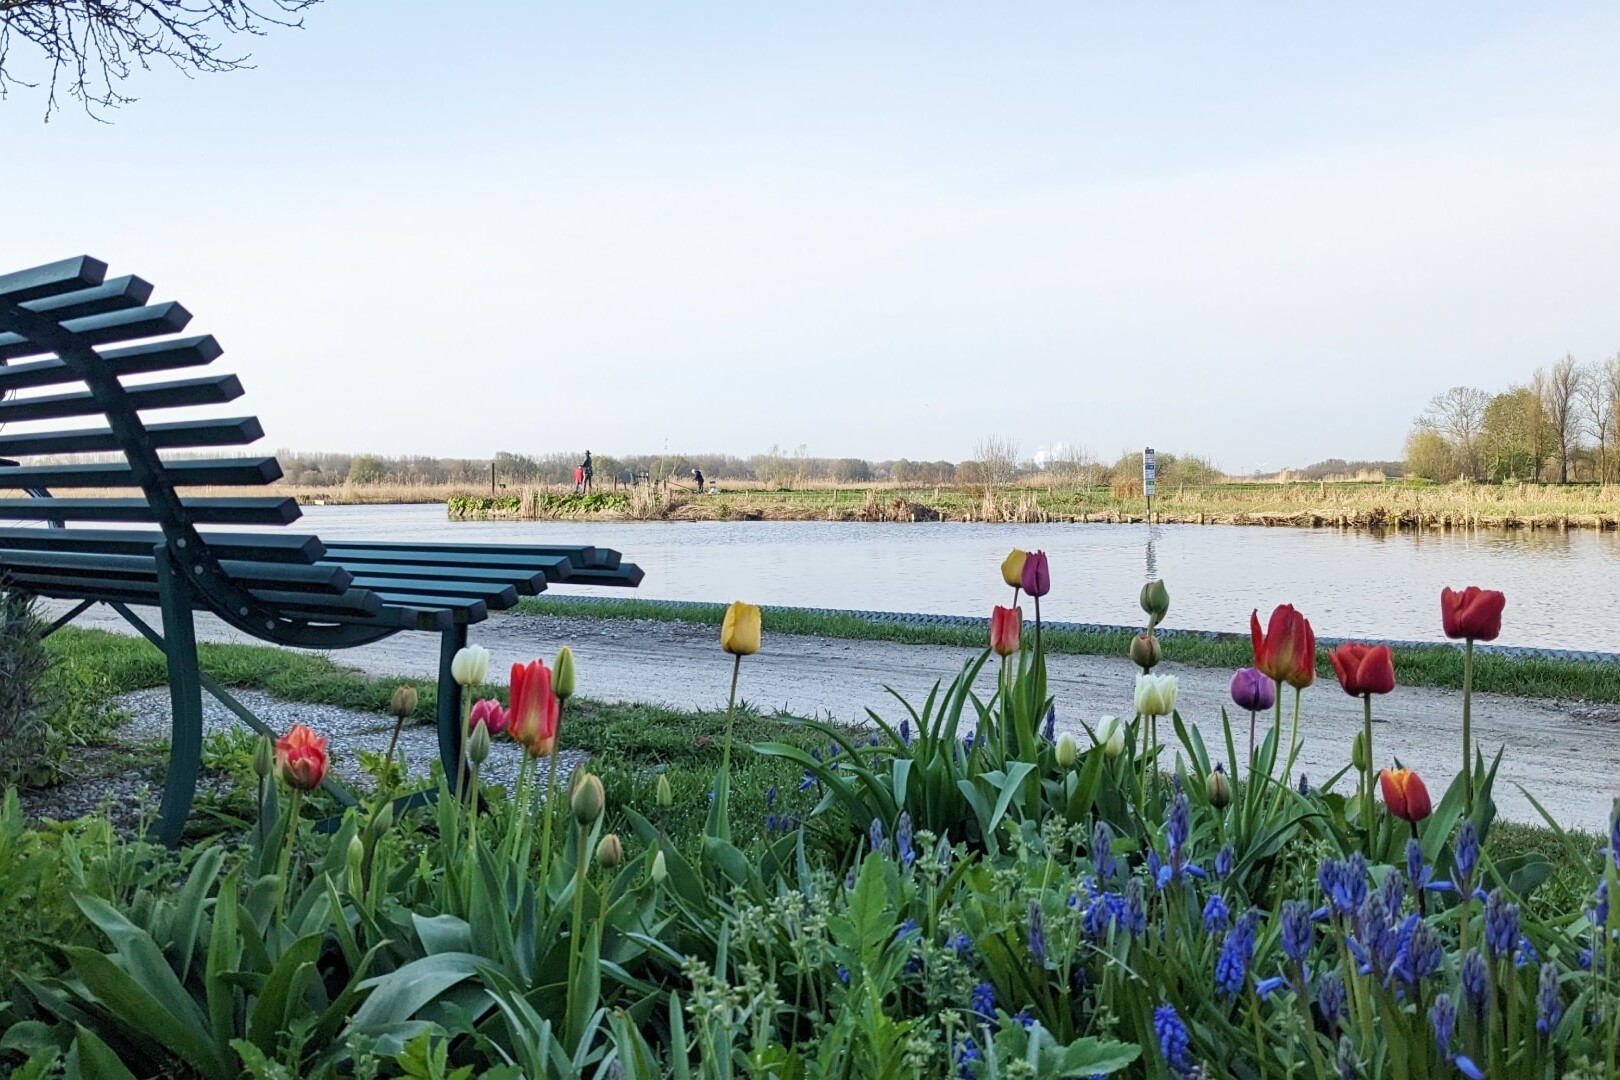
1287,650
1473,613
1364,669
488,712
1036,577
1006,623
301,758
532,719
1405,794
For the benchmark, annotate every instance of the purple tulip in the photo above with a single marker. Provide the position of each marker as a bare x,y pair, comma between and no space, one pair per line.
1037,579
1253,691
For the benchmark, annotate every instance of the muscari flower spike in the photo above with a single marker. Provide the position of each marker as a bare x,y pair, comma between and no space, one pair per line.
1475,981
1330,997
1102,850
1173,1038
1037,932
1549,1003
1237,952
902,840
982,1002
1223,862
1296,930
1216,914
1467,857
1501,924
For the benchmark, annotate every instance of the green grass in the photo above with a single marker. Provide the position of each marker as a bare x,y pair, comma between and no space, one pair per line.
1439,666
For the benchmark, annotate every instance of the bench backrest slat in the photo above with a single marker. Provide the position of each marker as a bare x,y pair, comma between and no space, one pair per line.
154,320
222,472
69,275
115,295
180,435
211,390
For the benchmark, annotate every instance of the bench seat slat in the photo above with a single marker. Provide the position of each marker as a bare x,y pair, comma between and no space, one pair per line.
628,576
251,547
181,434
131,324
212,390
521,580
288,576
68,275
140,359
267,510
461,609
224,472
503,596
556,568
581,556
115,295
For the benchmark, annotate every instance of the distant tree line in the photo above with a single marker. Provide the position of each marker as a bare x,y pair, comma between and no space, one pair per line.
1562,425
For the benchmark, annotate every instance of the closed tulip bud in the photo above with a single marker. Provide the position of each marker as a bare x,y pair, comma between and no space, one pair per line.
301,758
264,757
1110,734
403,702
1036,576
383,819
563,677
1067,751
1012,568
1405,794
609,851
1358,751
1145,652
662,794
1286,651
478,745
587,800
739,631
659,870
355,857
1219,788
1155,600
1155,695
1252,691
470,664
1006,624
1474,613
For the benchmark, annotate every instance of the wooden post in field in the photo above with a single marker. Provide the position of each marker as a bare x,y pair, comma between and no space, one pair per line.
1150,477
492,478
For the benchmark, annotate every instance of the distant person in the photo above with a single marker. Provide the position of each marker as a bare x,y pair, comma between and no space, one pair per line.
697,478
586,469
579,479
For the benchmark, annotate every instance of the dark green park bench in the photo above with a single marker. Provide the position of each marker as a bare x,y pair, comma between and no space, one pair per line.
71,339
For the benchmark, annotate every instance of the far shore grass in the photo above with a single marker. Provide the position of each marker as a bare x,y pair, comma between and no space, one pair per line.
1438,666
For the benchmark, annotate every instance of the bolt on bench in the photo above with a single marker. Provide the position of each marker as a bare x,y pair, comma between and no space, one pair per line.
56,325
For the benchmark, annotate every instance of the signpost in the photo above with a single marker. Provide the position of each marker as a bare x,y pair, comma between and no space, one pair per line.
1150,477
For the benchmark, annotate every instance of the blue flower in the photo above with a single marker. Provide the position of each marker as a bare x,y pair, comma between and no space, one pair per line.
982,1002
902,840
1237,952
770,796
1173,1038
1344,882
1614,836
1527,953
1330,998
1024,1018
843,974
1216,914
1376,940
905,732
1223,862
1467,857
770,822
1501,924
1157,872
1048,727
1444,1018
1037,933
1180,825
1415,862
1394,891
1421,951
1266,987
1549,1003
1346,1064
809,780
1135,908
967,1052
1296,930
1475,981
961,944
880,843
1304,785
1599,915
1102,850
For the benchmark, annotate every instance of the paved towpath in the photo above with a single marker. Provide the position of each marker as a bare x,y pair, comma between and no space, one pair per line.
1567,754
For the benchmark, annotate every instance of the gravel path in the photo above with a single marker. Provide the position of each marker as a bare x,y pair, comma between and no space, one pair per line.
1565,753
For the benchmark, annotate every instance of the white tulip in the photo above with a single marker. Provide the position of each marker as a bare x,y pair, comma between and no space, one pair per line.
1110,735
470,664
1155,695
1067,751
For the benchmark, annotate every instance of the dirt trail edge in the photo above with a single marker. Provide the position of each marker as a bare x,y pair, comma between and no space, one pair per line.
1565,754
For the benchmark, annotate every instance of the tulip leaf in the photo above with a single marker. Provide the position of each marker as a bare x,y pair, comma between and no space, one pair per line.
397,996
92,1059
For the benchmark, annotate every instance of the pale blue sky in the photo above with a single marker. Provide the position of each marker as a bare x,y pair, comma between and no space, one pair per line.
1265,233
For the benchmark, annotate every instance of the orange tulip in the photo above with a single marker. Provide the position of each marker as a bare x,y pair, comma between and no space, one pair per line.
532,717
1405,794
1364,669
301,758
1286,652
1006,623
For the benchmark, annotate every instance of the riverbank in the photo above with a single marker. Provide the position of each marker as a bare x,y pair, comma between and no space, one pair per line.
1310,505
1564,751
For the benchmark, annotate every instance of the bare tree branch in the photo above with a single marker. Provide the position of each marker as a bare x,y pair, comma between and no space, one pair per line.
86,49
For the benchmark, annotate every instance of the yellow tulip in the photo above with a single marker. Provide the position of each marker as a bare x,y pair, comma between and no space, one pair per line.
1012,568
739,633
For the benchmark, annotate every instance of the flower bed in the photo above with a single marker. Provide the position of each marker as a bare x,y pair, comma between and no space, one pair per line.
958,891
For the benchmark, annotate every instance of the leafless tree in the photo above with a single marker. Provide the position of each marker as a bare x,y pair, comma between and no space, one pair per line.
1609,375
1598,405
998,455
1560,390
87,48
1459,415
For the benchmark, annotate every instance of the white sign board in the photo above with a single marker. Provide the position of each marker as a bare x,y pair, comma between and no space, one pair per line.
1150,472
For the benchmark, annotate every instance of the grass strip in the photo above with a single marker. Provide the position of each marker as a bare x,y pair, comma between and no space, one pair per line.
1436,666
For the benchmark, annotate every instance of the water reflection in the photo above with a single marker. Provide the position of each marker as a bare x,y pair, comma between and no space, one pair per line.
1562,587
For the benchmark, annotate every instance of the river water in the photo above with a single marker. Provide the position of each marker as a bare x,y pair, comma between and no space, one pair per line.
1563,589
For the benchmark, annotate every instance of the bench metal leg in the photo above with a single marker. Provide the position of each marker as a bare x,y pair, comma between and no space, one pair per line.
450,642
185,696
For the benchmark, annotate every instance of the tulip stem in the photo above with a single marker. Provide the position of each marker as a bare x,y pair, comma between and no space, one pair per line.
550,812
1367,772
293,810
388,758
1468,731
461,751
575,928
